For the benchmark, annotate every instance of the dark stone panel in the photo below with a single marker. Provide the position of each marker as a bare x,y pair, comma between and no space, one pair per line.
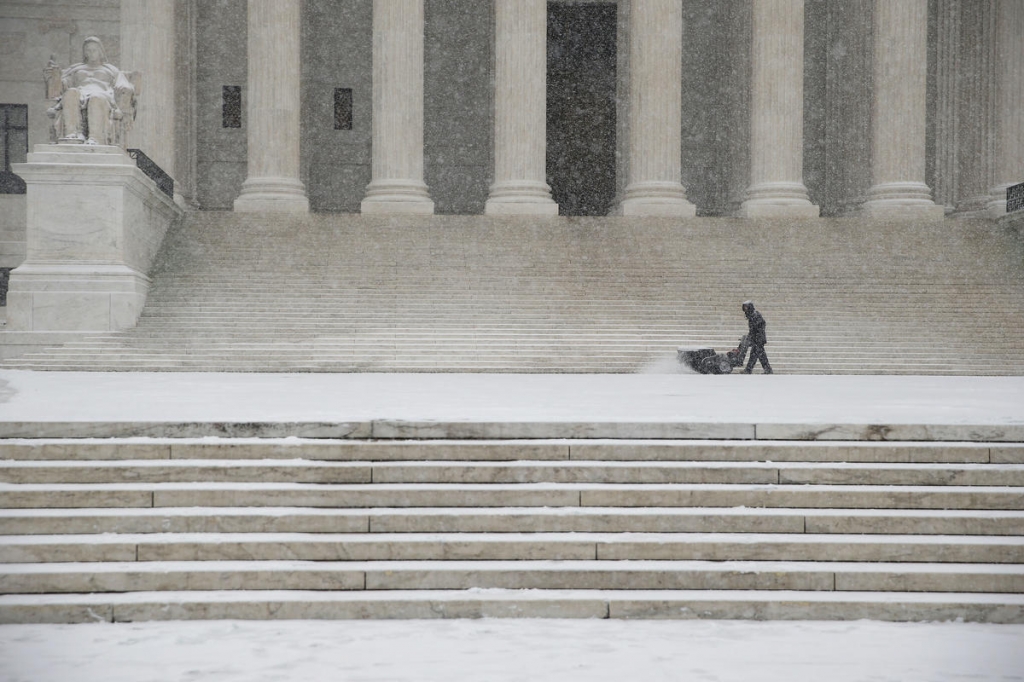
341,189
701,101
459,189
815,72
5,279
221,182
715,120
221,60
457,102
581,107
337,52
848,98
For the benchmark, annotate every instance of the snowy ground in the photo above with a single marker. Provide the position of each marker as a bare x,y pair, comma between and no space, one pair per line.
521,650
71,396
528,650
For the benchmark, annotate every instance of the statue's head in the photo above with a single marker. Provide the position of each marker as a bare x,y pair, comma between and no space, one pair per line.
92,51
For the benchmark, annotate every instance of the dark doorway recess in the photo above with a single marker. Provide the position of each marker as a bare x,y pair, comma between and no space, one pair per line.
581,107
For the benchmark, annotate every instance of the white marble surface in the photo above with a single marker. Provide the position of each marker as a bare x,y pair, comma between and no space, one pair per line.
95,226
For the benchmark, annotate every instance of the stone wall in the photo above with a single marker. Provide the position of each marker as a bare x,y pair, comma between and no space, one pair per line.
336,53
458,149
221,59
716,91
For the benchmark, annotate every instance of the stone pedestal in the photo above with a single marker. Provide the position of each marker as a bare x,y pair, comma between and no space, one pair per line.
898,113
397,157
95,223
520,109
777,113
655,111
273,129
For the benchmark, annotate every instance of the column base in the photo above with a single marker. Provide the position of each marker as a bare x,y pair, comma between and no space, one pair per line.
493,207
665,199
397,196
272,195
520,198
902,201
778,200
976,207
770,209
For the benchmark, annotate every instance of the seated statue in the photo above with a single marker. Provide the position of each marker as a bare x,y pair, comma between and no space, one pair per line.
95,100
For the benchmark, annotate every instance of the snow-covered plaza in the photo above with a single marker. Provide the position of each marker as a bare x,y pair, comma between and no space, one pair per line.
495,650
513,650
666,394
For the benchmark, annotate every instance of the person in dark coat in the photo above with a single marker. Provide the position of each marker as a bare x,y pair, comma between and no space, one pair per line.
757,339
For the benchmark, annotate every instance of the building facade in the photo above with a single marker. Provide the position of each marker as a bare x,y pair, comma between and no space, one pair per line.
788,108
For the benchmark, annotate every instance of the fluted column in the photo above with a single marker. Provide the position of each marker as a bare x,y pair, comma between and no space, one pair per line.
898,112
272,113
147,47
397,161
1008,166
975,99
655,111
520,110
777,113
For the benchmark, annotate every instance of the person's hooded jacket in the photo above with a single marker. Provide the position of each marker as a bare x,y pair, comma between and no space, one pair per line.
756,325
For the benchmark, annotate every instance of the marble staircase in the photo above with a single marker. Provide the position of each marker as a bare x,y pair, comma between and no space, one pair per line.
321,292
128,528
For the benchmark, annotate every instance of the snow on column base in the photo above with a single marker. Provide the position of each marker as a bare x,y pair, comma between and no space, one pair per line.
902,201
778,200
667,199
407,207
520,197
272,195
767,208
397,196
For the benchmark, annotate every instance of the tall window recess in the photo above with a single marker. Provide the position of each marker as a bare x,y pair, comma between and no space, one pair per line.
231,106
13,145
343,108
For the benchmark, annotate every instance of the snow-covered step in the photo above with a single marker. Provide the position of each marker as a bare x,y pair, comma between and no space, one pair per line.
511,519
521,575
458,293
161,547
307,471
502,603
98,449
504,495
